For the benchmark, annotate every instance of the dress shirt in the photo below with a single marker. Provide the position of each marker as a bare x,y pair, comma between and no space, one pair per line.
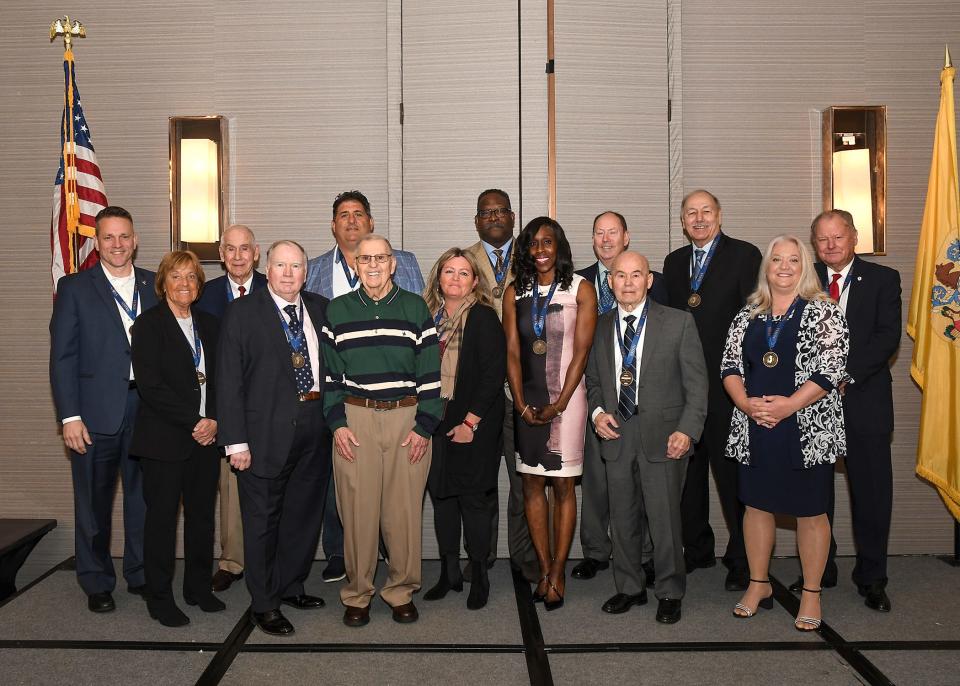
844,292
186,325
622,314
340,284
706,249
235,287
313,347
493,258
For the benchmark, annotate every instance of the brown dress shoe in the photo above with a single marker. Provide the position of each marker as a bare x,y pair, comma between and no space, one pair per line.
356,616
223,580
406,613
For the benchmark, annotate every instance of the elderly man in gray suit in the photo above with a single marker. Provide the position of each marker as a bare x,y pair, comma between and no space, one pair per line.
647,394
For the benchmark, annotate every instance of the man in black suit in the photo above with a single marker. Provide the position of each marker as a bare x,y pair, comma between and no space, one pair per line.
610,238
269,389
239,253
869,295
96,398
711,278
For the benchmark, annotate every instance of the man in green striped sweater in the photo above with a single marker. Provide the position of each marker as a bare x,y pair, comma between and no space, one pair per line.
382,401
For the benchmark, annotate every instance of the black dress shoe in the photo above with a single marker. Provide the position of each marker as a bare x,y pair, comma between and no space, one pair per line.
875,598
737,580
693,565
825,582
207,602
668,611
622,602
650,573
167,613
356,616
406,613
140,590
222,580
589,568
272,622
101,602
303,602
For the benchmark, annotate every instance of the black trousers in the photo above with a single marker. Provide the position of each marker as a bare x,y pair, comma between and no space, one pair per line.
282,516
165,483
870,480
698,538
473,510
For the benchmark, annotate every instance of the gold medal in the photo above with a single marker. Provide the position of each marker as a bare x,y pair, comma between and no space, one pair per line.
201,377
298,360
497,292
626,378
540,346
770,359
694,300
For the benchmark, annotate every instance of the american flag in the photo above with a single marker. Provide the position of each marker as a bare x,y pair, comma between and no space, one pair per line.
78,193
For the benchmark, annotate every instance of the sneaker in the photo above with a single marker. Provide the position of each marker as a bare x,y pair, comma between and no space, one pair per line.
334,571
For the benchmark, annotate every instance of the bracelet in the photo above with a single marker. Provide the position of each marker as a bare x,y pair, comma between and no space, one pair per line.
470,425
524,410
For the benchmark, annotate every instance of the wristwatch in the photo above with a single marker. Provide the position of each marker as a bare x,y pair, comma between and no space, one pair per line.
471,425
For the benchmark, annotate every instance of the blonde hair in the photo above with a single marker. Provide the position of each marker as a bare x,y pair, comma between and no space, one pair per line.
178,259
432,293
808,287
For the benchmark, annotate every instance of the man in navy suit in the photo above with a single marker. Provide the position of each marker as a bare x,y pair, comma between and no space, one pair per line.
870,297
711,278
331,275
239,253
610,238
96,398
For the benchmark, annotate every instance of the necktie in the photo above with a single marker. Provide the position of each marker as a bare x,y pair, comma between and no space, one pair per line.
835,288
242,289
606,301
499,266
303,375
698,260
627,404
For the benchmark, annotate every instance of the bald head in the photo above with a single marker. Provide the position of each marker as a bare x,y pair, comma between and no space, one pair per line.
630,279
239,252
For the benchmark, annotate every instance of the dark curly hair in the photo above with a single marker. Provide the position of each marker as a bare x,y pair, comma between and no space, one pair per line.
524,268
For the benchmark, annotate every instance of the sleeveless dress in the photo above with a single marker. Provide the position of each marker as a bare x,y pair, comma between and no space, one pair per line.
776,480
554,449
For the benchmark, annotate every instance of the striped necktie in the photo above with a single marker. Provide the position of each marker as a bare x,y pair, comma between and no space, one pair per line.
627,404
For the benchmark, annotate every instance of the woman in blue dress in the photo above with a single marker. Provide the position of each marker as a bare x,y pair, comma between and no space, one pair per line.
784,368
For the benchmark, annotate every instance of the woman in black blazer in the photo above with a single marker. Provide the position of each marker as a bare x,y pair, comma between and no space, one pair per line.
466,448
173,348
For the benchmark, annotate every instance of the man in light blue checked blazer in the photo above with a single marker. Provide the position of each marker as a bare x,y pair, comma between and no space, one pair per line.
332,275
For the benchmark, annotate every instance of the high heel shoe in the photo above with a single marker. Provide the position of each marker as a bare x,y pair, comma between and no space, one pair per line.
551,605
814,622
765,603
538,597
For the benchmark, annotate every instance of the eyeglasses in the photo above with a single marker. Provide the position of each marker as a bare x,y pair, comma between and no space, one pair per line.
494,212
379,259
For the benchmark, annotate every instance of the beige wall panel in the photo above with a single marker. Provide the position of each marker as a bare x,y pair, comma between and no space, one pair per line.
461,118
612,121
754,76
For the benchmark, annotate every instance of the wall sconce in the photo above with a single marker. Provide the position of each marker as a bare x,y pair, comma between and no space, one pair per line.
198,183
855,170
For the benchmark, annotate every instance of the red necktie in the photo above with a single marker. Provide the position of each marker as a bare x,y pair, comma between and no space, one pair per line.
243,290
835,288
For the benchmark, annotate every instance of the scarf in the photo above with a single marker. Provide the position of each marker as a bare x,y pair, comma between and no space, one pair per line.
450,333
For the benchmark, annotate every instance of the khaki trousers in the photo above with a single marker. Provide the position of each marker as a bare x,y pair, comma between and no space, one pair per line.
381,493
231,527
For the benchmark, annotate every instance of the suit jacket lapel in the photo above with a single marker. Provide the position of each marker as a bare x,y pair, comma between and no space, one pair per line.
102,287
855,287
650,337
608,367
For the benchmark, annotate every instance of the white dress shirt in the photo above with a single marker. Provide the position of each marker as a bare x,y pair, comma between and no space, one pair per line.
622,314
186,325
235,287
844,292
340,284
706,249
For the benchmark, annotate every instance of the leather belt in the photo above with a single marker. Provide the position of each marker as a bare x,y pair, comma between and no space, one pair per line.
307,397
408,401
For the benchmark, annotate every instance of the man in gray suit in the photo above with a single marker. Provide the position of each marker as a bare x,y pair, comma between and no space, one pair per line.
647,396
